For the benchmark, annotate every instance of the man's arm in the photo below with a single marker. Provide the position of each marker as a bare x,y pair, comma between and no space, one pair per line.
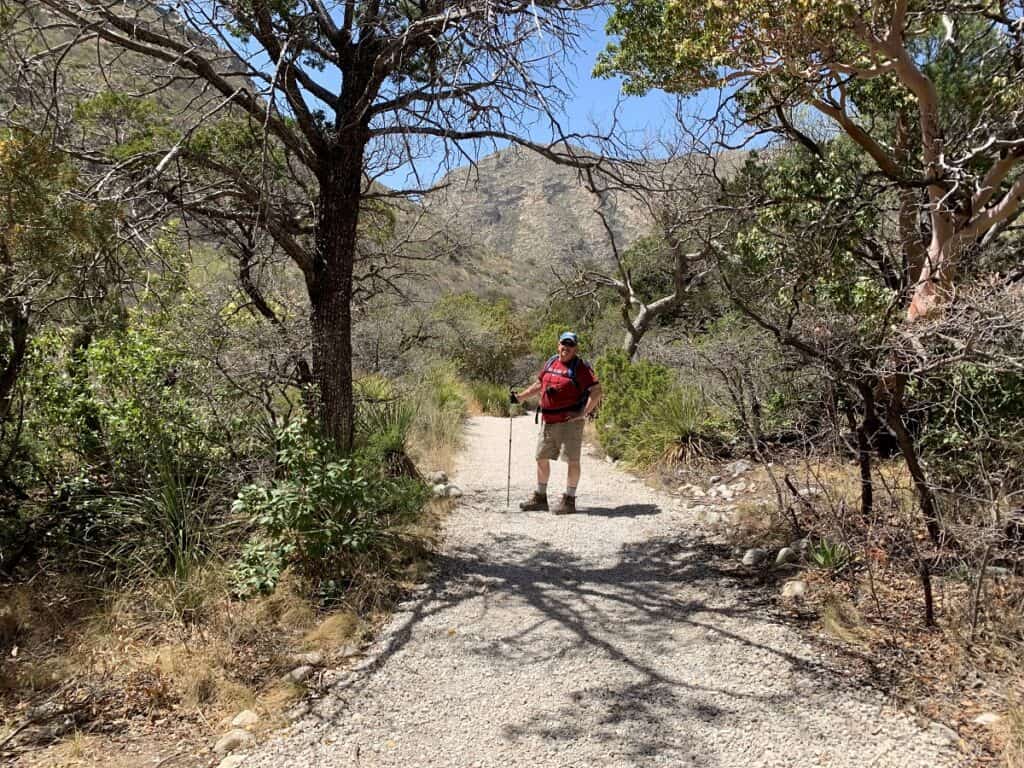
530,391
594,401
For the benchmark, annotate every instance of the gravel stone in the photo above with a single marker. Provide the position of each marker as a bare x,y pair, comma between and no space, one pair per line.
605,639
311,659
786,556
232,740
299,674
755,557
794,590
437,478
245,719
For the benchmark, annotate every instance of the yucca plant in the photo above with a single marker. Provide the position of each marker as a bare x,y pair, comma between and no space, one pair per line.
384,429
832,556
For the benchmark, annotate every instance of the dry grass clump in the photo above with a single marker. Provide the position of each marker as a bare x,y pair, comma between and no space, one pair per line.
842,620
333,632
1012,733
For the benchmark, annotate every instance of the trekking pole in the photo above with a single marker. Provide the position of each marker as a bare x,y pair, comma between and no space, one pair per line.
508,480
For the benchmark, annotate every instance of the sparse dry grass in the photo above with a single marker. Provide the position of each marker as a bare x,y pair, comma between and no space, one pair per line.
842,620
1011,732
186,652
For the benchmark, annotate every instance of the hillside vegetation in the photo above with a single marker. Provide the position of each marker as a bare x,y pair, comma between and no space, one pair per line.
233,362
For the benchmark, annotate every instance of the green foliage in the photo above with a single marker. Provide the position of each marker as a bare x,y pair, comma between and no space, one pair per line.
113,404
972,428
492,398
130,125
647,415
483,337
441,409
832,556
322,511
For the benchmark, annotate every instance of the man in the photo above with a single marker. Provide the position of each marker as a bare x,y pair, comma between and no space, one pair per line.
569,394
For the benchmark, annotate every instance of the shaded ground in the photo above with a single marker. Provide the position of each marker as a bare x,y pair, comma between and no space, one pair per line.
608,638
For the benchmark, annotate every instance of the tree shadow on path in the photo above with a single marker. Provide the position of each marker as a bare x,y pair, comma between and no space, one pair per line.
627,609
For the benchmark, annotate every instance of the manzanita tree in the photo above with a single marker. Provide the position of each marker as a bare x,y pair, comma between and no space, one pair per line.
955,150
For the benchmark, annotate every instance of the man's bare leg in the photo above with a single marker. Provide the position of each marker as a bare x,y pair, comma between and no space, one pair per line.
574,476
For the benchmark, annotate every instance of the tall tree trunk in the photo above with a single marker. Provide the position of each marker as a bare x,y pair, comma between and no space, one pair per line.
329,283
867,494
15,313
924,491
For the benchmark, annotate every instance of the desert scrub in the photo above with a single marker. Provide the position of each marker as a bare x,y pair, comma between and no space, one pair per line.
647,416
490,398
325,515
436,432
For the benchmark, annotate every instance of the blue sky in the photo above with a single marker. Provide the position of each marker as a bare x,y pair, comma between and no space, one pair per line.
593,102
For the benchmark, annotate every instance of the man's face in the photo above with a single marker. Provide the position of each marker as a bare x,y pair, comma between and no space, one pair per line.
566,352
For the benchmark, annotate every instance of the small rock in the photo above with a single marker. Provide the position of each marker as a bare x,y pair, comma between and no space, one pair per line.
232,761
726,493
437,478
987,718
794,590
944,733
739,486
715,479
439,489
312,659
609,459
299,674
453,492
737,468
245,719
786,556
801,546
754,557
232,740
810,492
738,552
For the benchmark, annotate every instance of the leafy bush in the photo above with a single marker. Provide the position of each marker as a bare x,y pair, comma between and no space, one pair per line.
492,398
647,416
630,389
483,338
322,512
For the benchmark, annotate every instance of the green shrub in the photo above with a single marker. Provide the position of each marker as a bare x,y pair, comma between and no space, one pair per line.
647,416
441,409
483,338
322,512
492,398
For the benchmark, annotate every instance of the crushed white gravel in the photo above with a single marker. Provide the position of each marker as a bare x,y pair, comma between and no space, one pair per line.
606,638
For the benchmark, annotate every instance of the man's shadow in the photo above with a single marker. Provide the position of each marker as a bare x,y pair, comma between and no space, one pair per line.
626,510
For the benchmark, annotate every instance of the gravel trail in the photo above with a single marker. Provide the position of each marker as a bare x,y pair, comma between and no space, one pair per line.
607,638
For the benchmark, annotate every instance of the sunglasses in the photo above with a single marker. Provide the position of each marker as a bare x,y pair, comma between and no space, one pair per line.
567,343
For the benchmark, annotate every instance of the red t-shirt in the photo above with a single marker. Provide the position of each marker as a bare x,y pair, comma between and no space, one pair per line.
559,391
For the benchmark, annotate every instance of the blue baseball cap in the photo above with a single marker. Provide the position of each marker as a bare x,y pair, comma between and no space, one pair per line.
568,336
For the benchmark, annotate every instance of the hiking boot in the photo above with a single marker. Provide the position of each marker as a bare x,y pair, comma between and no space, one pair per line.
536,503
566,507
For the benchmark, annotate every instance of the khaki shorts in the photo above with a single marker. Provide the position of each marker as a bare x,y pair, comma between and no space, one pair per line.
561,441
